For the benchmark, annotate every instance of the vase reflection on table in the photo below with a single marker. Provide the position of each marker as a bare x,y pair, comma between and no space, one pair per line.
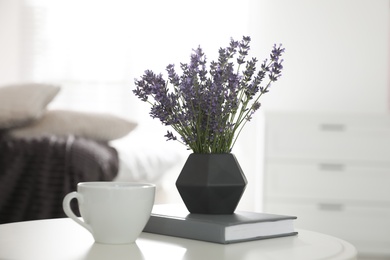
208,109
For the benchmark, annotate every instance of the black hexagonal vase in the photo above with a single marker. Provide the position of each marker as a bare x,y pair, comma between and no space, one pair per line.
211,183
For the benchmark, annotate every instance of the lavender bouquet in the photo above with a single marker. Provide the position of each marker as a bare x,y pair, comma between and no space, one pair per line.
209,108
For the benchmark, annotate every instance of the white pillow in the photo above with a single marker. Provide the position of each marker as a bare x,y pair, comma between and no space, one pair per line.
97,126
146,155
20,104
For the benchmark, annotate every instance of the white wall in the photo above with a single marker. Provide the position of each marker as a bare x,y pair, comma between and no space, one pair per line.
337,53
9,41
336,60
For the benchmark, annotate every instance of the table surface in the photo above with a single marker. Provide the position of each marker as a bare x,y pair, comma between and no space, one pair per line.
64,239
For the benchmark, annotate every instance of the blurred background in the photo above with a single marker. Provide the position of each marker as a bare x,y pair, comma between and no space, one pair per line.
336,61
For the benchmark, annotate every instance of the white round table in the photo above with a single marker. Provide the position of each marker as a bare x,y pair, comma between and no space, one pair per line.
57,239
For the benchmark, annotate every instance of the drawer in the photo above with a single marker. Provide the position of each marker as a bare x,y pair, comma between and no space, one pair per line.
368,228
345,138
332,181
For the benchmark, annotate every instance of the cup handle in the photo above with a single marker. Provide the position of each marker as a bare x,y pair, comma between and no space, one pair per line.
68,211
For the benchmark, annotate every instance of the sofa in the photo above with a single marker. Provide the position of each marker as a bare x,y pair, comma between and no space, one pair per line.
36,173
44,153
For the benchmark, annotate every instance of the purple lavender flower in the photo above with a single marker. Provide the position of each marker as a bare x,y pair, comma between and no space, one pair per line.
209,108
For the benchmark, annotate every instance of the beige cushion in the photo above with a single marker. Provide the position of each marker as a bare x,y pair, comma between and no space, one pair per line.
20,104
97,126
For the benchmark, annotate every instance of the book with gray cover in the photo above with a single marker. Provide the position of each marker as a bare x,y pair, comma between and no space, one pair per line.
171,220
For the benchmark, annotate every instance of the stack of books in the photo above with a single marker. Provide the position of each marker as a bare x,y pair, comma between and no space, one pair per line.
173,220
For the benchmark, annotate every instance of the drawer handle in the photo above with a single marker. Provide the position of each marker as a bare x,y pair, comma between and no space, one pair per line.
332,166
332,127
331,206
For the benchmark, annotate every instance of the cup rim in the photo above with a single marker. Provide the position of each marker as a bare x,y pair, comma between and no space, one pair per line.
114,184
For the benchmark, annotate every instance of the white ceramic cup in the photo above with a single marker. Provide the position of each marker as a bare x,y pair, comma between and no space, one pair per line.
114,212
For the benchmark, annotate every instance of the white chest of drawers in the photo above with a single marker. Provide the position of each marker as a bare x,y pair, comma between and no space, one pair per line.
333,172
